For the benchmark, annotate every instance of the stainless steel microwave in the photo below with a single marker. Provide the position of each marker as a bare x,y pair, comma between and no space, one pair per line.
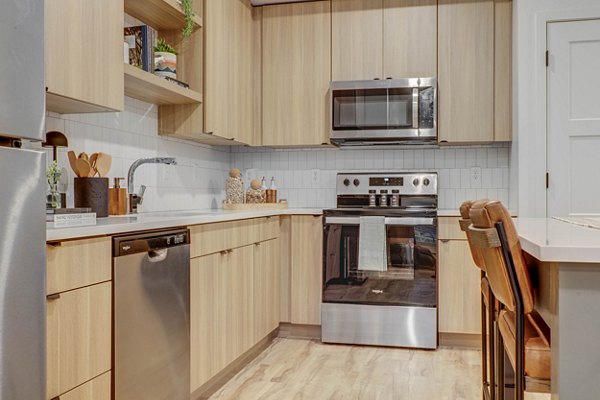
391,111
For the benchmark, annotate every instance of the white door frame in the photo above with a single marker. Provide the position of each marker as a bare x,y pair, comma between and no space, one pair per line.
531,144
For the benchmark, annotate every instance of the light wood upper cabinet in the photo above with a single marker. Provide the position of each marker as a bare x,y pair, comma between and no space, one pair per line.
466,70
78,337
502,70
229,90
379,39
306,269
459,289
296,69
84,55
409,40
356,39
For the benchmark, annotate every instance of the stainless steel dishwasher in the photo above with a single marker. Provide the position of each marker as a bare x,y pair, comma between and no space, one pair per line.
151,316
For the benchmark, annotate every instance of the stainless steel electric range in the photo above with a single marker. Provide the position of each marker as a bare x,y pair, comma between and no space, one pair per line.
394,303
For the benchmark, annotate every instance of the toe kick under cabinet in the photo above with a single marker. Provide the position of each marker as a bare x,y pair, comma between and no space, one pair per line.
79,293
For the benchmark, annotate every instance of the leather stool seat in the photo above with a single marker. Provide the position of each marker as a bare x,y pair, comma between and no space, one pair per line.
537,348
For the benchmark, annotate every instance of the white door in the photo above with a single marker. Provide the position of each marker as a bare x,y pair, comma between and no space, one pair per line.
573,118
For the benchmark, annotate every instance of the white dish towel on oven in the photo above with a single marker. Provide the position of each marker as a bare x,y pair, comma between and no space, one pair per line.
372,249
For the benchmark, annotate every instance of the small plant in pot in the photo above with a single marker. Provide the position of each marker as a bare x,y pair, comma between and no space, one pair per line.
165,59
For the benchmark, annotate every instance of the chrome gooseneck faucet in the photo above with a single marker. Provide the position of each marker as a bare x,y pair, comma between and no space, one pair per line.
136,199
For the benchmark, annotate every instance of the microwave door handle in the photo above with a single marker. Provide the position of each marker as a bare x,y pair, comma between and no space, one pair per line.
403,221
415,108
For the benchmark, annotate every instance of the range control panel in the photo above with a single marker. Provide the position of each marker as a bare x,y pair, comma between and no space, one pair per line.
413,183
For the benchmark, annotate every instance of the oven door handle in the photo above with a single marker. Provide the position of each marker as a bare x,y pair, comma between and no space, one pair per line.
415,108
397,221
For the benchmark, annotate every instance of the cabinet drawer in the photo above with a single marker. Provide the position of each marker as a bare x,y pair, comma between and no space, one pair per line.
71,265
450,229
96,389
269,228
212,238
78,337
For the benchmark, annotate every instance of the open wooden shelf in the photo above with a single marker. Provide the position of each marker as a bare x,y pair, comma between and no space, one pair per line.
159,14
148,87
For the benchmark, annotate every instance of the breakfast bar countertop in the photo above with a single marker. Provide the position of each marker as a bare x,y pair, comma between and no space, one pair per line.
551,240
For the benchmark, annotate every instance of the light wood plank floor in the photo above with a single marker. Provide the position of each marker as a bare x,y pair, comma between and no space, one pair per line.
304,369
309,370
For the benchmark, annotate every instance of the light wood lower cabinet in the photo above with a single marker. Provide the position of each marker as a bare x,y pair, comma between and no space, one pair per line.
222,311
79,263
459,289
267,271
78,337
97,389
306,269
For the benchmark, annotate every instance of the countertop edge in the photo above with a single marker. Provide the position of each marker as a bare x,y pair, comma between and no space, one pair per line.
108,229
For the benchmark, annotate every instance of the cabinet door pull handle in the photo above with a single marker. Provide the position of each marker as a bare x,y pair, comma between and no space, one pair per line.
54,296
223,252
444,240
54,244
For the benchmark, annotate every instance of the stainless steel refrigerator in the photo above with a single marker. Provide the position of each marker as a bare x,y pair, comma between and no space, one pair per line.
22,202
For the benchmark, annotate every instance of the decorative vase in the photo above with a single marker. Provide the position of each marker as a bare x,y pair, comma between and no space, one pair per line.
165,64
53,199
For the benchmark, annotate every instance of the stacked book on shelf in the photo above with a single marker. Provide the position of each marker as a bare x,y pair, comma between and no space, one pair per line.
141,40
69,217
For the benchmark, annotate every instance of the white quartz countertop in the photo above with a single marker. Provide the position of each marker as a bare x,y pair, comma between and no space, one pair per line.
160,220
556,241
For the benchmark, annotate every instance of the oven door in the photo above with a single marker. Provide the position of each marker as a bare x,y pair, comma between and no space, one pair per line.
411,275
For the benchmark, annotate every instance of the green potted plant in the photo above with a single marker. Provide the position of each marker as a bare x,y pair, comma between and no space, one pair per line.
165,59
187,7
53,174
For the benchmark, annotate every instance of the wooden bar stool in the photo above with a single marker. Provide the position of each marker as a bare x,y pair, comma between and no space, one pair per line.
488,311
519,330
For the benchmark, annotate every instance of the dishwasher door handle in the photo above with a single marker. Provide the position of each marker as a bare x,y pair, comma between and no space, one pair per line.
156,256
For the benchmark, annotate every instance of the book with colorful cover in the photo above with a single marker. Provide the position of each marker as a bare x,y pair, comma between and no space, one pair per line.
141,40
134,38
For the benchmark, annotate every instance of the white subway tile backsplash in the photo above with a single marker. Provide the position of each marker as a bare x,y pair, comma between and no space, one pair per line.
452,164
196,182
199,178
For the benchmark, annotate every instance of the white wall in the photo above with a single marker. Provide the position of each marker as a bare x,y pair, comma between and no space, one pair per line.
196,182
529,96
294,170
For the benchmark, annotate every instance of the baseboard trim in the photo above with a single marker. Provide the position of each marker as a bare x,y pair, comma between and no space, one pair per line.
461,340
297,331
218,381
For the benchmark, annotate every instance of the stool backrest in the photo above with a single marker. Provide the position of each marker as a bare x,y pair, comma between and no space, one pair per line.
465,222
483,233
